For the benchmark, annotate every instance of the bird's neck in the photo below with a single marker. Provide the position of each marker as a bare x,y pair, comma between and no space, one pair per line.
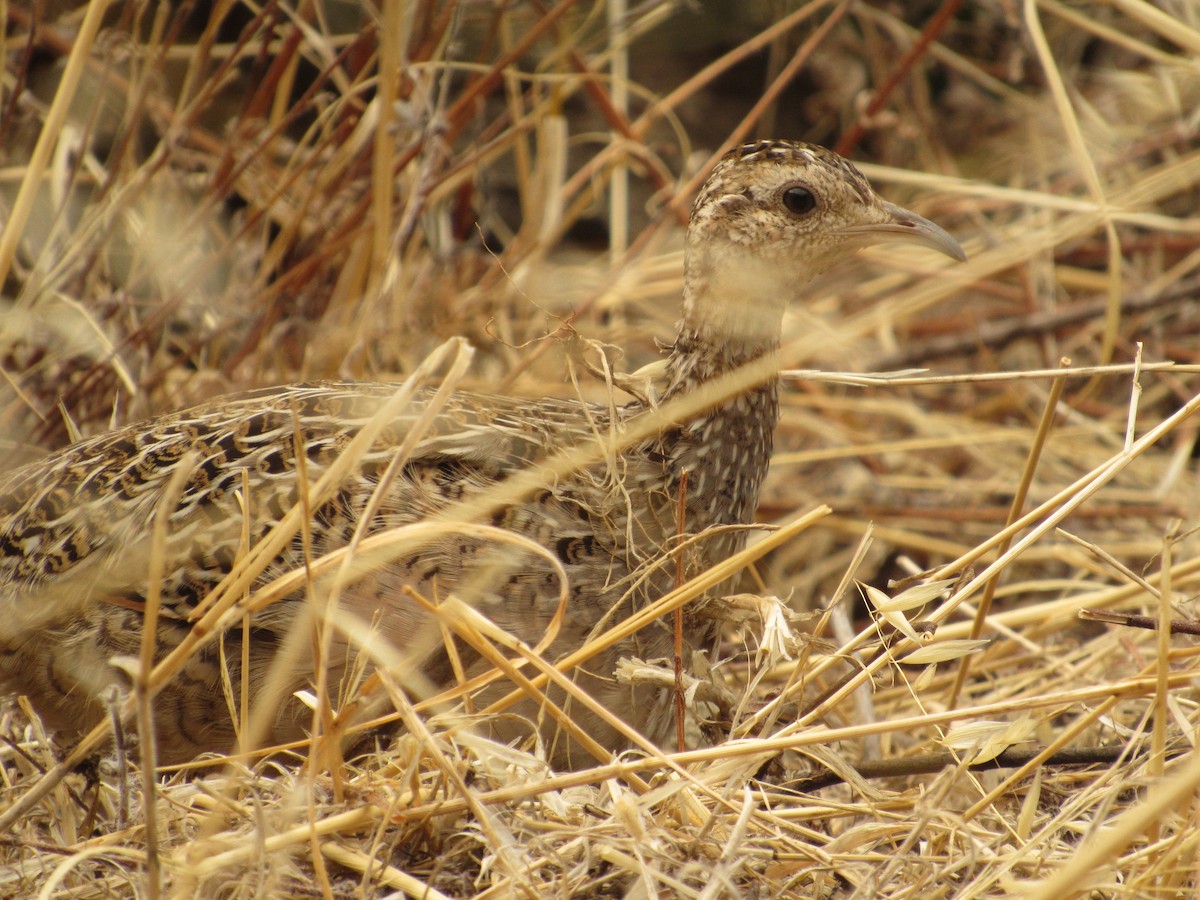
727,344
732,318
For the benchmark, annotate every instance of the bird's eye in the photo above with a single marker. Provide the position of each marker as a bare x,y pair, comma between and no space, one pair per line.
799,200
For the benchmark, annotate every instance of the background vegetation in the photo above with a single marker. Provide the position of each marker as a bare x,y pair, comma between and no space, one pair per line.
205,197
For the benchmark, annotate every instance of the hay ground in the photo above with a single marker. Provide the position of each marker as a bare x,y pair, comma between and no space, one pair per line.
198,202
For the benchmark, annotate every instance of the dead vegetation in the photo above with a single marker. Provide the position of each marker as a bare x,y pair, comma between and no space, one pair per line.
195,204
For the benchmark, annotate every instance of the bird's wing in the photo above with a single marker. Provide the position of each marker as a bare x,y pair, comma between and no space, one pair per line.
80,520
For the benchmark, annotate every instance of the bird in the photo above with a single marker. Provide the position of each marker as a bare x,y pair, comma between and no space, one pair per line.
79,548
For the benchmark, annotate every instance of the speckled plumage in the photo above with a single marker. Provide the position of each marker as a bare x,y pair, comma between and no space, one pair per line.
75,534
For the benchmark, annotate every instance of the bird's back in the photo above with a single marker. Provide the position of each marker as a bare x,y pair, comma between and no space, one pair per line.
76,537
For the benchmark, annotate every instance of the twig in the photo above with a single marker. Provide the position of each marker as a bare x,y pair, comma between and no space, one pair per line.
929,763
1001,333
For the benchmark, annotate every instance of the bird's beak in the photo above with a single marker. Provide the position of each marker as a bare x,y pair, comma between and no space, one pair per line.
909,226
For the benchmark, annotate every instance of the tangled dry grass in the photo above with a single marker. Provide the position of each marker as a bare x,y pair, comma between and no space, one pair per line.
197,202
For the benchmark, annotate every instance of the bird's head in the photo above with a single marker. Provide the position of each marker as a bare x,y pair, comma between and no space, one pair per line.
771,216
800,205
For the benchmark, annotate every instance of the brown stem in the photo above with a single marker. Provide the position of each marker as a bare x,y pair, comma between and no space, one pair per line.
929,34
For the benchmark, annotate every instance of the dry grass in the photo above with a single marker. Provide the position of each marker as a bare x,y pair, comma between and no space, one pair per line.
195,206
